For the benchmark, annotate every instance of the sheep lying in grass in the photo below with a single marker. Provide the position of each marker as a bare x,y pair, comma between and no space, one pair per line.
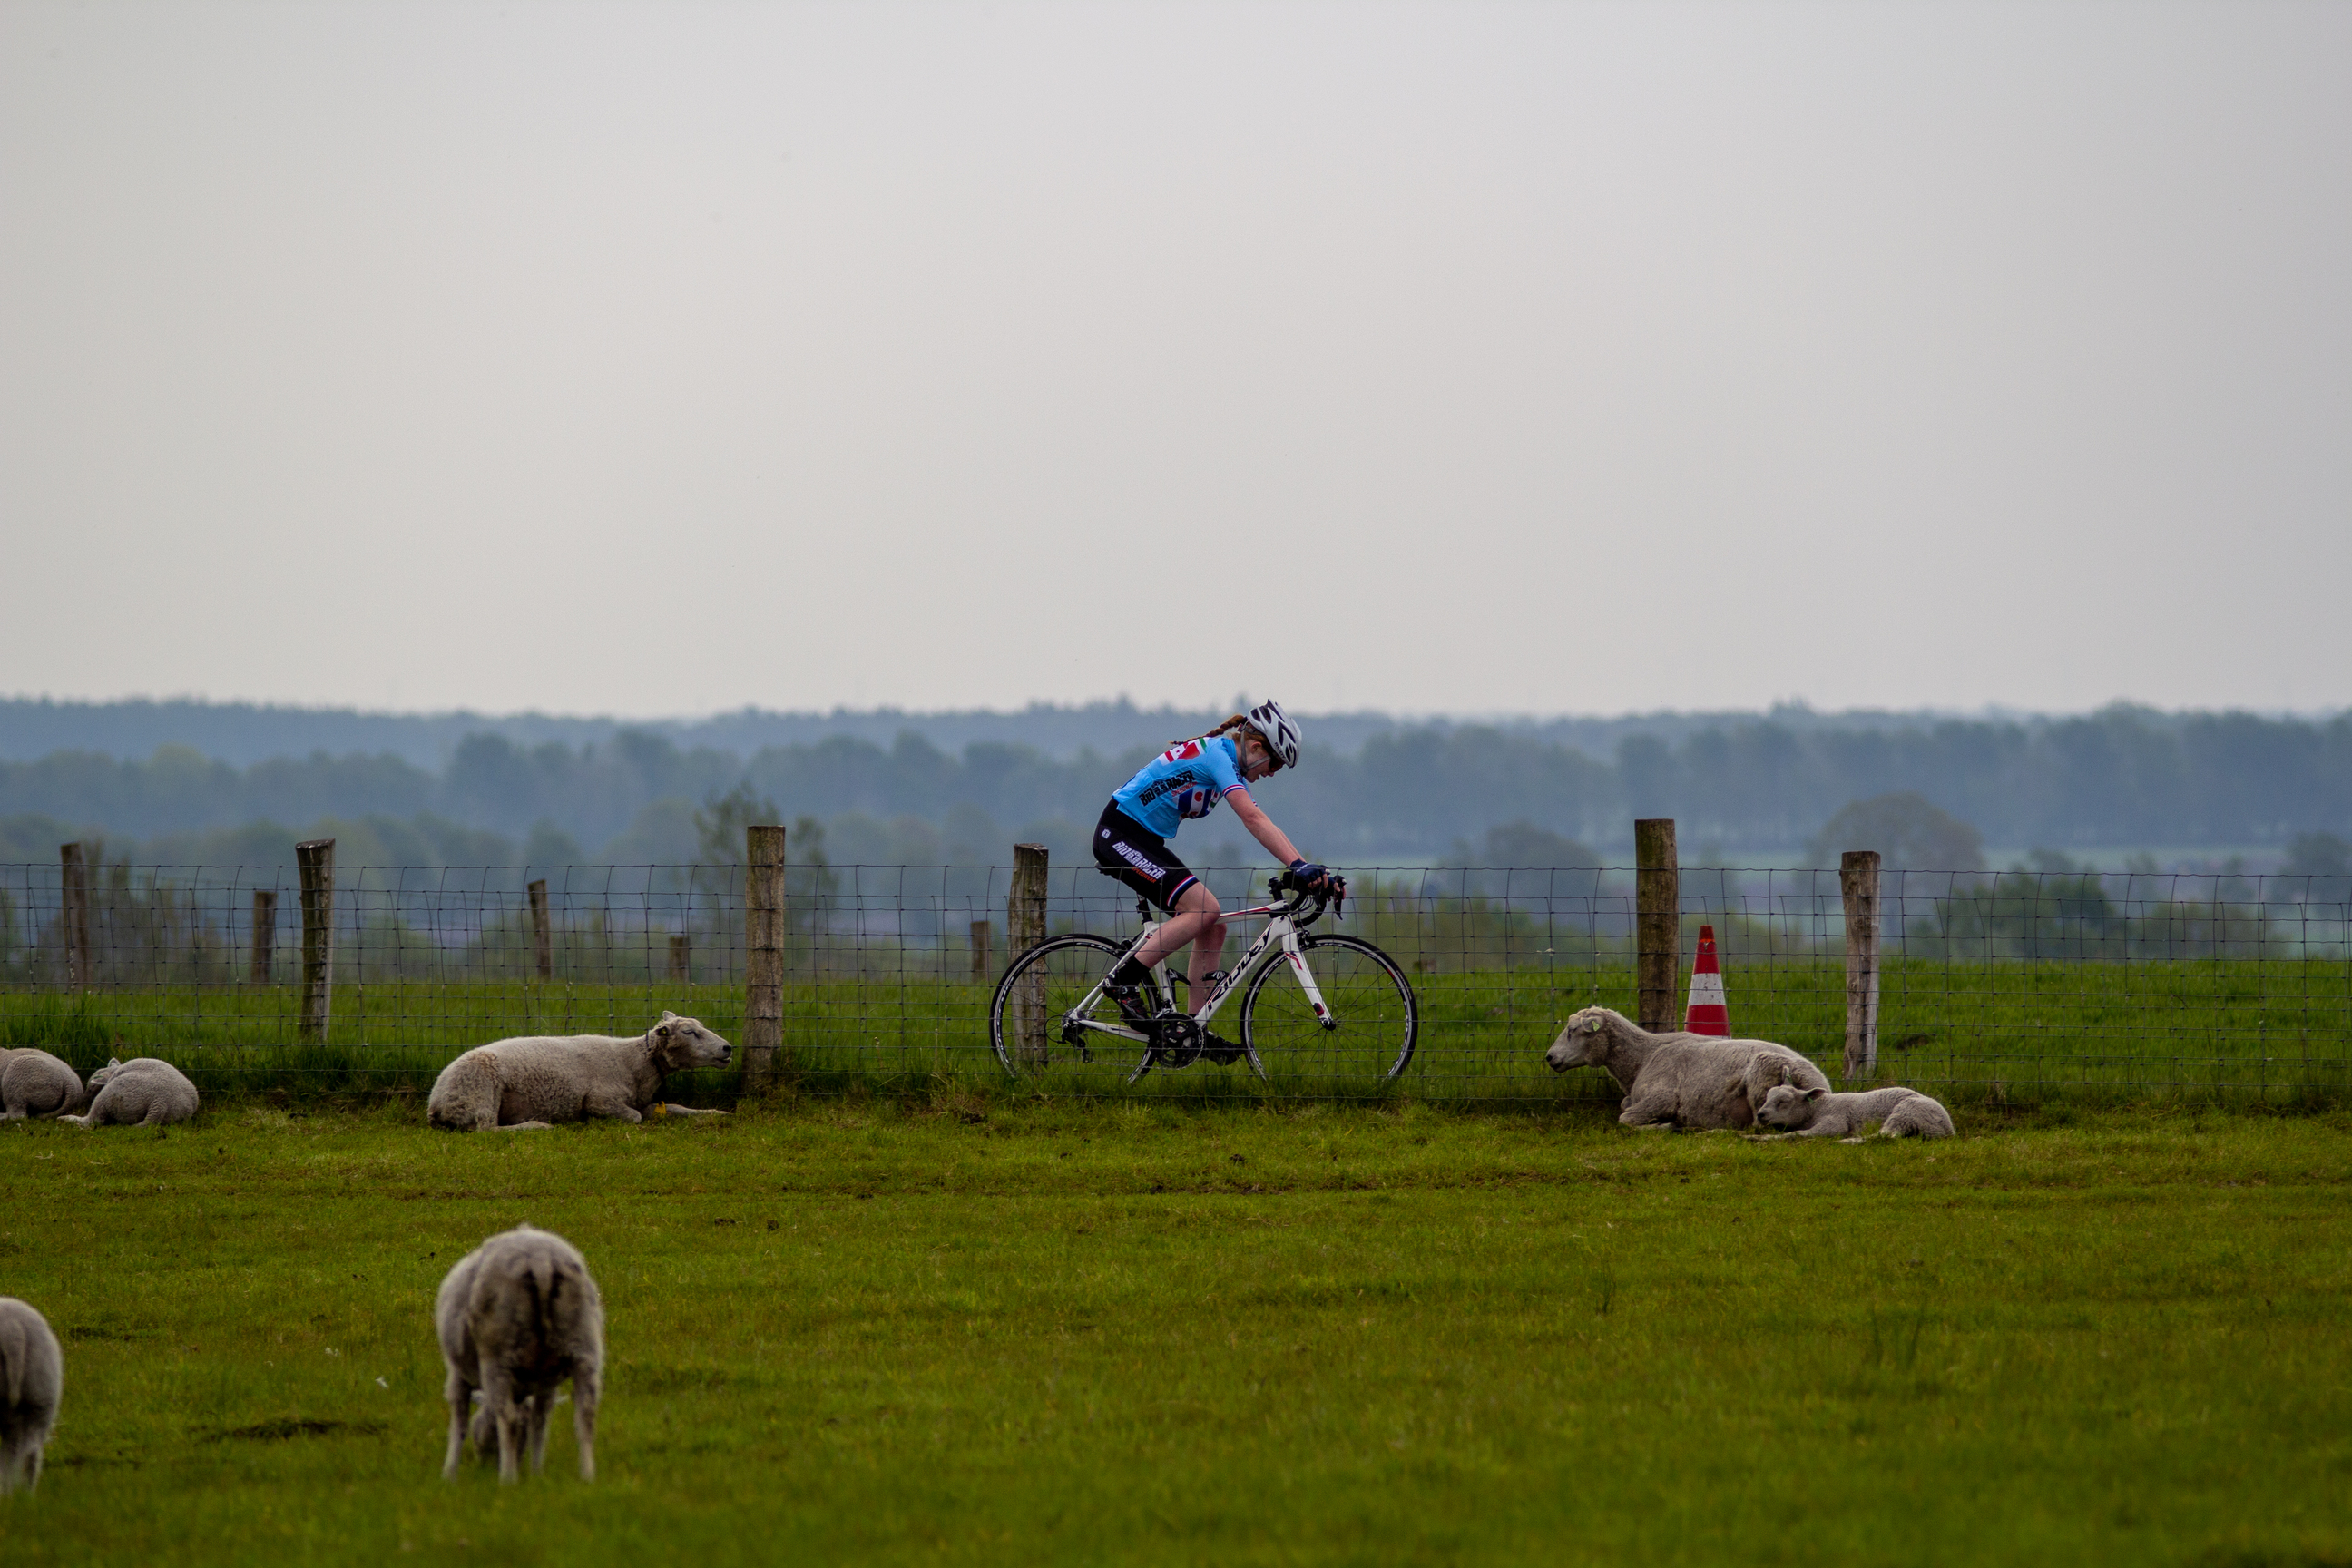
141,1093
1817,1113
1605,1038
540,1080
1679,1079
32,1377
34,1083
516,1317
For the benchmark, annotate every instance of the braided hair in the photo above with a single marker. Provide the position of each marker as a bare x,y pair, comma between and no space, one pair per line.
1237,721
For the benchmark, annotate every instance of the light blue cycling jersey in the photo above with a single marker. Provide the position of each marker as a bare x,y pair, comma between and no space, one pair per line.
1180,784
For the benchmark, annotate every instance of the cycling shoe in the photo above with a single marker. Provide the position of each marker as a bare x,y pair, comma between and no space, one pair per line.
1138,1005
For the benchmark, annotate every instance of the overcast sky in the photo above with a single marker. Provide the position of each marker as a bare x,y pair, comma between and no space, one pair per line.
656,359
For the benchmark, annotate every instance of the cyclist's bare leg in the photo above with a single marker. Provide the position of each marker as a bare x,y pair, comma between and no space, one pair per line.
1208,948
1195,920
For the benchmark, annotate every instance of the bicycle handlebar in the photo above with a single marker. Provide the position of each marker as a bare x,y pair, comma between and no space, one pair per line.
1335,891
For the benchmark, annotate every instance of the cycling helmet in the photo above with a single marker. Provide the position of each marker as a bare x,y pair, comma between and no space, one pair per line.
1274,726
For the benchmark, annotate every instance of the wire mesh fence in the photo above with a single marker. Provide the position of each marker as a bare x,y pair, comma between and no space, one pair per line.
2015,986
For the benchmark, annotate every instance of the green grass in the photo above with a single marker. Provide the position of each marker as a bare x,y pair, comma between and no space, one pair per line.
966,1330
2237,1031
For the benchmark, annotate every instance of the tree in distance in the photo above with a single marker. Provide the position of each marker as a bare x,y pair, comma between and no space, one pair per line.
720,822
1907,828
2317,854
1522,846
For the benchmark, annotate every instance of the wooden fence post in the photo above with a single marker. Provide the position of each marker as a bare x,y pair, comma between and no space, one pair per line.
982,935
1858,882
264,933
541,939
763,956
1658,923
315,859
1024,926
73,890
681,958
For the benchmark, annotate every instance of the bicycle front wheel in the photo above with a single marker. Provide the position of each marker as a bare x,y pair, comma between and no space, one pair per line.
1043,1021
1374,1018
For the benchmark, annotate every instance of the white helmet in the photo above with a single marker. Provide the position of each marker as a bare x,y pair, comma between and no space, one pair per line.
1281,736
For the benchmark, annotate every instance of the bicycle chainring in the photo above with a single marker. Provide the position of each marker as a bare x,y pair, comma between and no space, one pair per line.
1176,1039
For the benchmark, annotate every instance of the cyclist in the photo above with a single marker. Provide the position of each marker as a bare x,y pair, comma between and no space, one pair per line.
1185,782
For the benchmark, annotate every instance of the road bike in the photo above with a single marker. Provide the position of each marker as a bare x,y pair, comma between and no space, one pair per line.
1329,1006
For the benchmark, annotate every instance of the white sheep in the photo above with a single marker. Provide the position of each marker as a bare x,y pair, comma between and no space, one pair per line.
538,1080
1817,1113
142,1091
34,1083
32,1380
516,1317
1678,1079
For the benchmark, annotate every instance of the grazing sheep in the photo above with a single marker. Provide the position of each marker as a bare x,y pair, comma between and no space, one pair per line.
540,1080
34,1083
517,1316
32,1377
1679,1079
1817,1113
143,1092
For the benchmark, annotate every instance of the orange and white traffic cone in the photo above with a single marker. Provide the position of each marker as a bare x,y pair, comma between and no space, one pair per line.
1707,1014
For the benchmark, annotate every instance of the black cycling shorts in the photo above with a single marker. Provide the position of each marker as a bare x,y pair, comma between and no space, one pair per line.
1140,858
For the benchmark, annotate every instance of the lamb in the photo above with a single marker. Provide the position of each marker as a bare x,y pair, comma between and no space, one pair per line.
537,1080
142,1092
32,1378
34,1083
1817,1113
517,1316
1679,1079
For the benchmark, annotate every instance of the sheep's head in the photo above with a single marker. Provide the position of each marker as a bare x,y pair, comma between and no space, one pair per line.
1786,1105
95,1081
1583,1042
680,1044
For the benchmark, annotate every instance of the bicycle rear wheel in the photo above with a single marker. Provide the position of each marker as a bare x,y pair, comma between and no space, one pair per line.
1375,1019
1037,1021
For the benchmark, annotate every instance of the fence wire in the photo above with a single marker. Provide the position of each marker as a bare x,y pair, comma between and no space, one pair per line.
2013,986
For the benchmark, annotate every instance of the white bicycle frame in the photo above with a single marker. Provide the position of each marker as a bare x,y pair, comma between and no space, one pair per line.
1281,931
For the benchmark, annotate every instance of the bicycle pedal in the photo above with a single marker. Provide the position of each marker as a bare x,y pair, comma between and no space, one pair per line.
1218,1051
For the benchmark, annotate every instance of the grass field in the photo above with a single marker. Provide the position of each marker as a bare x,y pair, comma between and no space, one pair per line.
975,1331
2240,1031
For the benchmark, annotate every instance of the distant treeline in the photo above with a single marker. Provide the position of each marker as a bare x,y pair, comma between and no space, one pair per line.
2121,777
248,732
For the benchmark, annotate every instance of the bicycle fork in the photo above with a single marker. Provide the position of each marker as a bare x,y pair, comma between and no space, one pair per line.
1292,950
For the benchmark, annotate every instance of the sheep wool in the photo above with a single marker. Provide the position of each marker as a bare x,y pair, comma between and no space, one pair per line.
34,1083
32,1380
1817,1113
537,1080
1679,1079
516,1317
141,1093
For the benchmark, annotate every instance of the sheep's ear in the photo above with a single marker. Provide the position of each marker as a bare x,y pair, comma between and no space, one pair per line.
1592,1026
1813,1094
668,1015
661,1030
114,1061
